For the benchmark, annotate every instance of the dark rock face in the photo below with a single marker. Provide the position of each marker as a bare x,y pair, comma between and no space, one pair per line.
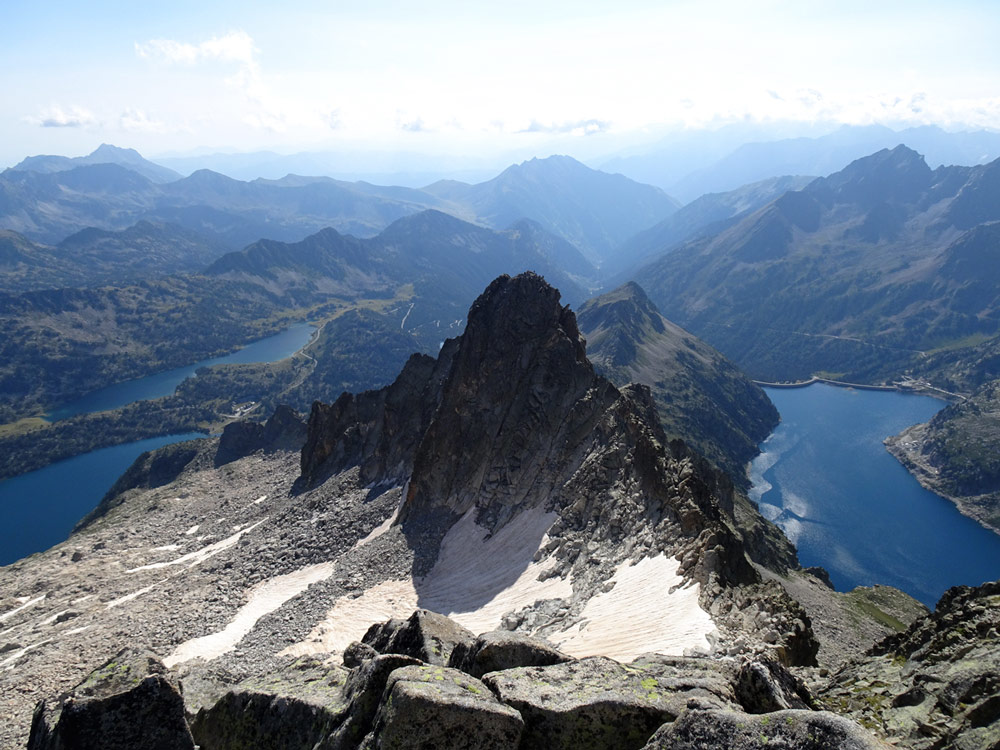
426,635
493,652
935,685
437,707
127,703
376,430
518,387
790,730
284,430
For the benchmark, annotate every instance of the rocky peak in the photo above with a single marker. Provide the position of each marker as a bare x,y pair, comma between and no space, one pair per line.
511,391
511,417
895,175
619,320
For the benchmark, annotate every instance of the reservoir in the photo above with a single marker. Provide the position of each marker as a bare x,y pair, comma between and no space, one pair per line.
269,349
825,477
41,508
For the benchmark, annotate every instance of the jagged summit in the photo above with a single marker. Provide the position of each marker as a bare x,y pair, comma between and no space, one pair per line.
890,175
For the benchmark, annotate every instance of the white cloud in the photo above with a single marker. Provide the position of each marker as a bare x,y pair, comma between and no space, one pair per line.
136,120
57,117
236,46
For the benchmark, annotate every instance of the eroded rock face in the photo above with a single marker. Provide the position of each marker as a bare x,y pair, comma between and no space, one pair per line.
129,702
935,685
511,418
496,651
789,730
428,706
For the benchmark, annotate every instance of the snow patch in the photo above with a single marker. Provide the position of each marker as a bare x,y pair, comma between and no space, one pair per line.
199,556
476,580
264,598
648,610
8,663
379,530
129,597
27,603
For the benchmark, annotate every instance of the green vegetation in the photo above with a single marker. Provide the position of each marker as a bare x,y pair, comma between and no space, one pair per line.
355,350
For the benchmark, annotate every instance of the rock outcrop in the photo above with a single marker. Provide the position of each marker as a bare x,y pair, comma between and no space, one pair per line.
129,702
935,685
392,700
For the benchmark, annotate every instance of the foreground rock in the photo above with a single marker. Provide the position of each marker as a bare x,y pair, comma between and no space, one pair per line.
129,702
427,706
295,709
788,730
426,635
390,700
937,684
590,703
493,652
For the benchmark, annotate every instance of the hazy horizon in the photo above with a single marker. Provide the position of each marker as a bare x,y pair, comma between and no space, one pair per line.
452,79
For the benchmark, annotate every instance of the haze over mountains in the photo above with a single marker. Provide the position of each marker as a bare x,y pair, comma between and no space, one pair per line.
593,210
853,275
731,162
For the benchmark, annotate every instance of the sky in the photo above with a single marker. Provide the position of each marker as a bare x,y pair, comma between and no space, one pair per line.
465,78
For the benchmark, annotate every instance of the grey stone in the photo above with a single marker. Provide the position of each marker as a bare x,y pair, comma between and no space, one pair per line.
499,650
438,707
357,653
763,684
787,730
363,692
425,635
935,685
591,703
128,702
292,709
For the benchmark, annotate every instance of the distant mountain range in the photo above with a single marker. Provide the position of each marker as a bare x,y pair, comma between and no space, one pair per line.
98,257
103,154
48,198
593,210
697,217
421,274
854,275
712,162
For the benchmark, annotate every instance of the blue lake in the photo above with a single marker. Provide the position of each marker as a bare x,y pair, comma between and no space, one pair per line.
40,508
825,477
269,349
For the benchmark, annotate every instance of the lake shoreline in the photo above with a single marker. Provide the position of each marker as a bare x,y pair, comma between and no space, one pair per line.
923,389
903,447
